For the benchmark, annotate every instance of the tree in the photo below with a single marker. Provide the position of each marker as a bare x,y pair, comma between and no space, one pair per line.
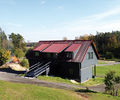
4,56
18,45
19,52
84,37
3,39
17,40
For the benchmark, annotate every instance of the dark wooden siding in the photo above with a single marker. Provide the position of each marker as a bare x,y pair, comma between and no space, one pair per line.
66,70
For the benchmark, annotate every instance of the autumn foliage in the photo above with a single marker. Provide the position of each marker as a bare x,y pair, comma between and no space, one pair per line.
4,56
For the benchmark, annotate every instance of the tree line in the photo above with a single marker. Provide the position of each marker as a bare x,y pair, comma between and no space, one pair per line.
107,43
13,44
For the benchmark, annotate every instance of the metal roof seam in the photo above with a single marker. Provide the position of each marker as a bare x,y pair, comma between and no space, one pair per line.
46,47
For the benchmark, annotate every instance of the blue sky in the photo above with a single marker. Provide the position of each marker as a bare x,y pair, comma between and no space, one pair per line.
54,19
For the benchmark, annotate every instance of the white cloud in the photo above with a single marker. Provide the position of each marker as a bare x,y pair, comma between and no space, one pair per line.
109,13
93,23
86,25
42,2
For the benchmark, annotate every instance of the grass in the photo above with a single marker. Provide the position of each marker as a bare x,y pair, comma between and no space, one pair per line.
93,82
91,95
102,70
101,96
101,62
55,79
18,91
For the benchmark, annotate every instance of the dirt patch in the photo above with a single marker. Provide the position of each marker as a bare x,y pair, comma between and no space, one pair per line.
14,66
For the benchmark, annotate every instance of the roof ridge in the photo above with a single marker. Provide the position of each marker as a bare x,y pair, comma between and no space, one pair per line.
62,40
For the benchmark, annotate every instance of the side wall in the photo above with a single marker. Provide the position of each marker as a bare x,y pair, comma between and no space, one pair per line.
87,66
66,70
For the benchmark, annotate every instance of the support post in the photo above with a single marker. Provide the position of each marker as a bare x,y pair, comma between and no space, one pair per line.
94,71
47,71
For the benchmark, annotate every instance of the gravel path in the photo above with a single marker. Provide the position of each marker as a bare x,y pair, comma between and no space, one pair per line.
17,79
112,63
98,88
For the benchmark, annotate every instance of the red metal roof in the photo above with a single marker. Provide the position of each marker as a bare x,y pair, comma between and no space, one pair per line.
41,47
73,47
56,47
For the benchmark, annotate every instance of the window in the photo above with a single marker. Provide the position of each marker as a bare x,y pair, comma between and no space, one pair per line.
90,55
36,53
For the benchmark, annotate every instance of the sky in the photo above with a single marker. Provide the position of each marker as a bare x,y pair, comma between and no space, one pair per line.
39,20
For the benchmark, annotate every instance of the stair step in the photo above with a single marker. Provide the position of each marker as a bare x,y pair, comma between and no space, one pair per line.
37,69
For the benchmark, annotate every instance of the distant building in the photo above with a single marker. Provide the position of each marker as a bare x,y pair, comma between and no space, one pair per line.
74,59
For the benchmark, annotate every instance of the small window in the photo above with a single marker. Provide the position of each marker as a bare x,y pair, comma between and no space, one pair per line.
90,55
36,53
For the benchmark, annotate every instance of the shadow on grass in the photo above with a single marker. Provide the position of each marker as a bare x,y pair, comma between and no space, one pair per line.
9,70
85,91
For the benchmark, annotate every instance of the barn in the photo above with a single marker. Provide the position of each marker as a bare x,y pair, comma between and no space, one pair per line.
74,59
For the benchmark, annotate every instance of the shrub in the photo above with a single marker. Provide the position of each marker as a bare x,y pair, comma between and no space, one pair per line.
112,83
4,56
24,63
19,53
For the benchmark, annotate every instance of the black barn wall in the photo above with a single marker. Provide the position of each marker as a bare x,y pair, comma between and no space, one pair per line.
65,70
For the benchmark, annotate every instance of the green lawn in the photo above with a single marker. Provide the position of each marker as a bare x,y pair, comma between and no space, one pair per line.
18,91
102,70
55,79
91,82
101,96
96,81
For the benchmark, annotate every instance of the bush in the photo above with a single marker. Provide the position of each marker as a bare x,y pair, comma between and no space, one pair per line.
19,53
4,56
112,83
109,55
24,63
